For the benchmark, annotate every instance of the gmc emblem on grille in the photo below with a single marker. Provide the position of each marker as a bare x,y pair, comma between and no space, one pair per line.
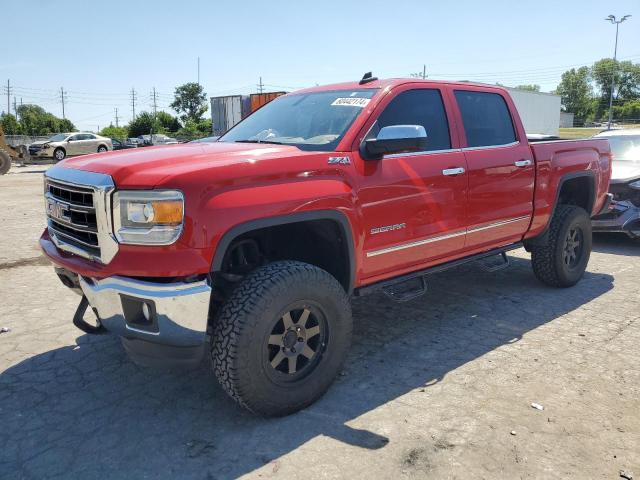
59,211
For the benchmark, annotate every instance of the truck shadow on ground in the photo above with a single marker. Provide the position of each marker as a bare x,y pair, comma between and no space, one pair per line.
86,411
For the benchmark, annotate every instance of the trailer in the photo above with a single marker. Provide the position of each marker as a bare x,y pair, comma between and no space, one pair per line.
540,112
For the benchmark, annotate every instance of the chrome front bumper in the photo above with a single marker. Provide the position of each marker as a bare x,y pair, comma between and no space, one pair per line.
176,313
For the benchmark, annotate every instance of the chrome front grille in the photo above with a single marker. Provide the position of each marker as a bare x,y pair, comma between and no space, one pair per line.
78,213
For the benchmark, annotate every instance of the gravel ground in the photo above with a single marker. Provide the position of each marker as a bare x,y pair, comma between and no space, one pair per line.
439,387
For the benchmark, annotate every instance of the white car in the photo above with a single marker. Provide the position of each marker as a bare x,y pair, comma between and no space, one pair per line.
63,145
624,186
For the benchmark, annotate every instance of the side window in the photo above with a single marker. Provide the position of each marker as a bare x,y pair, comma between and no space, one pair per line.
73,138
90,137
418,107
486,118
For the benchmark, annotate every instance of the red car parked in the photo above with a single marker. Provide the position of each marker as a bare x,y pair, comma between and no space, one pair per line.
250,247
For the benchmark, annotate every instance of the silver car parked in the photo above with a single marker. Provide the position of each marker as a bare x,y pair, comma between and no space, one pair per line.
62,145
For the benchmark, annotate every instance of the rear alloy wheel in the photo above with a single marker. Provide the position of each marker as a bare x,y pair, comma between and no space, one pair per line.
281,337
102,149
563,261
59,154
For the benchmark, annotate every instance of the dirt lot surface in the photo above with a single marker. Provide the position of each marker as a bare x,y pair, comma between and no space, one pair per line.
440,387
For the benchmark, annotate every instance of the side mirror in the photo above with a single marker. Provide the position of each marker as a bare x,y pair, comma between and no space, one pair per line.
395,139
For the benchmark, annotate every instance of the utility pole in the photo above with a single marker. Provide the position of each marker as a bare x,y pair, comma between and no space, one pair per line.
424,72
117,117
62,94
133,103
154,99
612,19
15,107
8,96
260,86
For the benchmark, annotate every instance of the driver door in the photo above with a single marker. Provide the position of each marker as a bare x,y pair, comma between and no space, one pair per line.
413,204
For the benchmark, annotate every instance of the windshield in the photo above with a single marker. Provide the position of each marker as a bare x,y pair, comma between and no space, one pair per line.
625,148
310,121
58,137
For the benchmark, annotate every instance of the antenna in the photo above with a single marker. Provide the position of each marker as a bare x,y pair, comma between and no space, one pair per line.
367,77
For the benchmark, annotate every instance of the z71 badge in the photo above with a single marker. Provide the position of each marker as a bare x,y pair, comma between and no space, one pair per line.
339,161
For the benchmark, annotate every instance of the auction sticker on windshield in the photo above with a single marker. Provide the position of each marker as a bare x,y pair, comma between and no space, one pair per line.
351,102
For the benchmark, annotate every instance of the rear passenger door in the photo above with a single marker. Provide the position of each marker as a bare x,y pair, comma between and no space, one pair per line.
500,166
413,204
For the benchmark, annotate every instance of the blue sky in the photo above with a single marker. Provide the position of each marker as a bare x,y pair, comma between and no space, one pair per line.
98,53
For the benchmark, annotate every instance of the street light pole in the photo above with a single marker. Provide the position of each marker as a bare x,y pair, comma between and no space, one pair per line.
612,19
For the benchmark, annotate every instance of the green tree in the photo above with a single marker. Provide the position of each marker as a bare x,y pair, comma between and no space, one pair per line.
119,133
193,129
190,101
168,122
627,79
576,93
34,120
66,125
529,87
10,124
142,125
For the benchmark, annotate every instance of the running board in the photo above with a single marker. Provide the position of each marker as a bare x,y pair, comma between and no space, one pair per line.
358,292
407,290
494,263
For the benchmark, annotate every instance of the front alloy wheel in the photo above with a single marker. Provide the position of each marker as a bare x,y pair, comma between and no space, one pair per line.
296,342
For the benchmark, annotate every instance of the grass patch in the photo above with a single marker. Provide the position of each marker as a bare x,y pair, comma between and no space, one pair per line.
571,133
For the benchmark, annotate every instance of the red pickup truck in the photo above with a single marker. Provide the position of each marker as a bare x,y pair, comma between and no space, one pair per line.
250,247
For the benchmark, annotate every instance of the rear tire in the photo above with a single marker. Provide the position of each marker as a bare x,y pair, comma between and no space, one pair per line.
5,162
102,149
563,261
59,154
281,311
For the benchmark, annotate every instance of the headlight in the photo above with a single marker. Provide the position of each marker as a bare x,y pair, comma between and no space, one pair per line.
635,184
148,217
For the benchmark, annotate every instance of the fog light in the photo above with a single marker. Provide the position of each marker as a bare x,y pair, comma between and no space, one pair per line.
146,312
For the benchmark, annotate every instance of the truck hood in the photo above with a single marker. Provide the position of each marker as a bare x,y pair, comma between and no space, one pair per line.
147,167
622,171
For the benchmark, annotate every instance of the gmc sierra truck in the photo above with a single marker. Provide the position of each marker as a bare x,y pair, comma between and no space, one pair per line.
249,248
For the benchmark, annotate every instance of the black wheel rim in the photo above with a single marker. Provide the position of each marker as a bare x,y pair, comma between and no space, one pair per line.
296,343
573,247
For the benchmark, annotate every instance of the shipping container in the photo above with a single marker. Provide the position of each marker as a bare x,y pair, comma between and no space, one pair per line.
228,110
540,112
260,99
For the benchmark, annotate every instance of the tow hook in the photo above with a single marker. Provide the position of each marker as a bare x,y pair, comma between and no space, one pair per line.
82,324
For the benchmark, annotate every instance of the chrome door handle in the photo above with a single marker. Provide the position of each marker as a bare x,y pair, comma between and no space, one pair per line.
453,171
522,163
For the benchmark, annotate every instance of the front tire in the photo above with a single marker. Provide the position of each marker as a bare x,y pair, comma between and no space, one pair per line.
563,261
102,149
59,154
281,338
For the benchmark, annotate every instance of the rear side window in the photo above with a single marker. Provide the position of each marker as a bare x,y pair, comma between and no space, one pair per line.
418,107
486,118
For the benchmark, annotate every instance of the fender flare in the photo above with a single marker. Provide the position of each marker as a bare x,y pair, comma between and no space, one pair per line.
543,238
334,215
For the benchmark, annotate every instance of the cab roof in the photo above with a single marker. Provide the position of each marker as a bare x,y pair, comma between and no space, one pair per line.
391,83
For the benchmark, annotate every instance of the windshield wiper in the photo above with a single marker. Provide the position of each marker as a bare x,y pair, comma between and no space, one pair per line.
259,141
